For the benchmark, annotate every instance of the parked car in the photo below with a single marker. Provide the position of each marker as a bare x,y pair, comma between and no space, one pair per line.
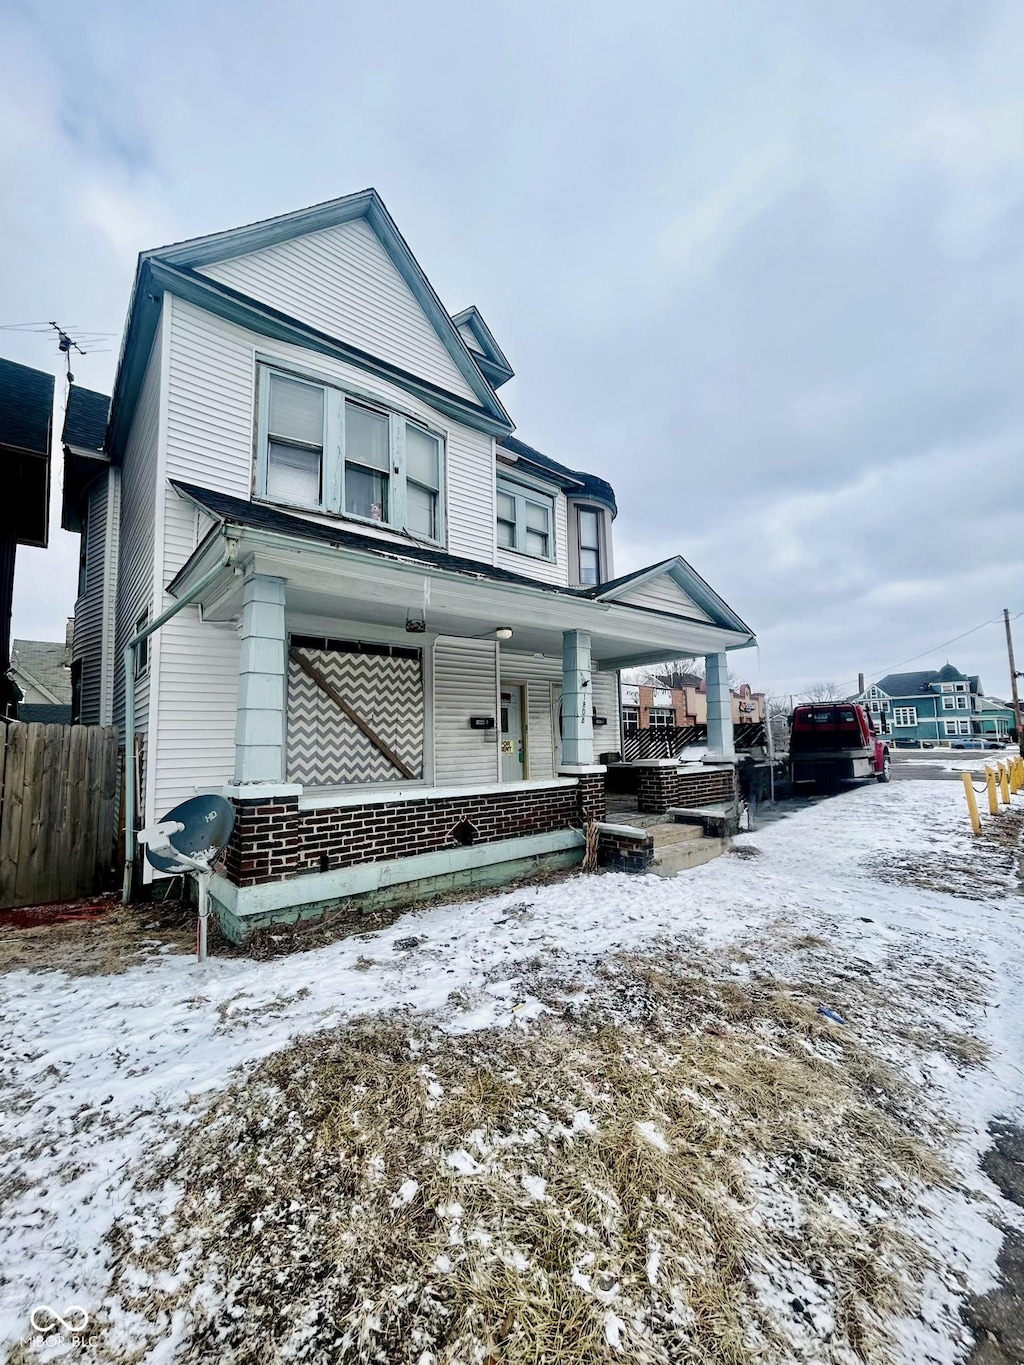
836,742
977,743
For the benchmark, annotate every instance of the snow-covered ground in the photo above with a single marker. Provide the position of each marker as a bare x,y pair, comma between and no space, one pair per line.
97,1070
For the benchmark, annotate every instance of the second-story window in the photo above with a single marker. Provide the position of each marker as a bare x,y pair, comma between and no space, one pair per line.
329,451
295,442
525,520
590,547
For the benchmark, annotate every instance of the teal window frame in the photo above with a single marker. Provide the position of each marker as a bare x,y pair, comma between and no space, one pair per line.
332,472
521,494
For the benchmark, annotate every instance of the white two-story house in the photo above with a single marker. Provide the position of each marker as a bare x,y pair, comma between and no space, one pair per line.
322,576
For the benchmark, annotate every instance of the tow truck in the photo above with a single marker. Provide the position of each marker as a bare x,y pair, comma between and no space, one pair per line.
835,742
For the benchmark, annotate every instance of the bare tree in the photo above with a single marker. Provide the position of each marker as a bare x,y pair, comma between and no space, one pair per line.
822,692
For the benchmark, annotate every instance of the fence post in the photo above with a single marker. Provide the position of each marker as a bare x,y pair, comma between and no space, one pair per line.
990,783
972,804
1004,784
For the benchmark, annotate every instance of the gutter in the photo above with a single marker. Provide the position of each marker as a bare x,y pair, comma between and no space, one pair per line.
130,766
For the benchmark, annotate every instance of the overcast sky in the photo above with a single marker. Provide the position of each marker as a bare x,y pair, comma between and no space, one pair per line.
759,264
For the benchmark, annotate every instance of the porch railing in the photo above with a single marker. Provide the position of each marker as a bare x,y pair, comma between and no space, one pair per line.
669,741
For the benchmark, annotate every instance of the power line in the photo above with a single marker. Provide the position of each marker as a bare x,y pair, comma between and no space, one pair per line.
881,672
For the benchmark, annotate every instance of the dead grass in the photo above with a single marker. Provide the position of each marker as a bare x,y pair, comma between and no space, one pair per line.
111,943
671,1169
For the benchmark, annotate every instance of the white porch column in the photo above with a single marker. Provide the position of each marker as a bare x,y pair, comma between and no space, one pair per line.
260,729
720,736
577,700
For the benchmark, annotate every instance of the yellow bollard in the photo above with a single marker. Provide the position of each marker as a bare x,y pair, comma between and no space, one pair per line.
972,803
990,783
1004,784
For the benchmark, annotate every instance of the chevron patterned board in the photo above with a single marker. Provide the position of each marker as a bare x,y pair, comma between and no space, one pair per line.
324,747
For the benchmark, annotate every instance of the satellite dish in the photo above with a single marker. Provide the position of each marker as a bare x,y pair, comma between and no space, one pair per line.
188,839
205,824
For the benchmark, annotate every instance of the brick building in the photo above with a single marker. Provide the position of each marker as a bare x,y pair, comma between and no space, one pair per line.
647,707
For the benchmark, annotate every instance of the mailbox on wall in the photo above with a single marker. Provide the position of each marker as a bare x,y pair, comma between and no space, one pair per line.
481,722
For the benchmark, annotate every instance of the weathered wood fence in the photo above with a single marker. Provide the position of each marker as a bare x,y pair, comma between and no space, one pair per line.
60,796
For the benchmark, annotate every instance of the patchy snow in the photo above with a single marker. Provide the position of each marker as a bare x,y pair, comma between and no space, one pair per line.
99,1070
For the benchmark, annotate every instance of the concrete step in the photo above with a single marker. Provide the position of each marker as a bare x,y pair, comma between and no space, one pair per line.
674,834
681,856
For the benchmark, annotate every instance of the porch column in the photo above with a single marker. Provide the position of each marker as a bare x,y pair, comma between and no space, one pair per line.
260,729
577,700
720,735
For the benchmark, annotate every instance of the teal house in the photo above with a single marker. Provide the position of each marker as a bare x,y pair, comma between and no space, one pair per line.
935,707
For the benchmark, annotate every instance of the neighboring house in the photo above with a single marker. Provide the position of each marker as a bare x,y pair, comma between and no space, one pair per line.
931,706
26,412
996,718
398,623
647,707
40,669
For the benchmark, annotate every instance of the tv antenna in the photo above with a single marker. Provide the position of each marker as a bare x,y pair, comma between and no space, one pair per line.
188,840
66,344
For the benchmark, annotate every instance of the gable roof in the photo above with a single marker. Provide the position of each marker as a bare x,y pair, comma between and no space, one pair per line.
26,407
483,348
573,481
176,268
687,579
42,663
921,681
85,419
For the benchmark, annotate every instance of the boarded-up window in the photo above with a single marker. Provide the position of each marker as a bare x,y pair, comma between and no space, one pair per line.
381,684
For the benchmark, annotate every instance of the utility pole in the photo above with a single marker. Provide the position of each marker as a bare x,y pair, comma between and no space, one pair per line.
1014,675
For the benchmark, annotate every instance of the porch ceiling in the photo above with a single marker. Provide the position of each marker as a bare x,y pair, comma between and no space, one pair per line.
331,583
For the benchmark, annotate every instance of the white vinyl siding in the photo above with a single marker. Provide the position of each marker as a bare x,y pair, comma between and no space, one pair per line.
211,421
663,594
138,530
465,684
544,570
607,738
341,281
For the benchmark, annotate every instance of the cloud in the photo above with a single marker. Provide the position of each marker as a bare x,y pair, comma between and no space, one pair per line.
759,266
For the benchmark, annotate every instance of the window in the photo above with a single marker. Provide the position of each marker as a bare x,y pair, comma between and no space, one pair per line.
904,717
661,717
295,441
949,703
324,449
958,727
589,546
963,702
142,648
630,718
525,520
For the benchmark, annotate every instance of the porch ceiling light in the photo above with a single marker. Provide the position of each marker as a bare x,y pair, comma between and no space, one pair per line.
503,632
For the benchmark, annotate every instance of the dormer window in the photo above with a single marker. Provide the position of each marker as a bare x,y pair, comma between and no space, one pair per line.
328,451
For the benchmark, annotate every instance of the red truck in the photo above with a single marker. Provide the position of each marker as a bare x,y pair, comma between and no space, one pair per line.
833,742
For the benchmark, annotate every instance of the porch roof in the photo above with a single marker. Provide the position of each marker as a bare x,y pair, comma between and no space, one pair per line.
333,572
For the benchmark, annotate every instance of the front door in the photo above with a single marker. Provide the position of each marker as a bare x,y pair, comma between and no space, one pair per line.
513,768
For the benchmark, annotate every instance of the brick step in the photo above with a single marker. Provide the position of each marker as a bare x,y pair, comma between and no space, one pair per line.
671,859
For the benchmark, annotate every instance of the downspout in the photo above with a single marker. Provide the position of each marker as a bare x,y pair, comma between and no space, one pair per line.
130,766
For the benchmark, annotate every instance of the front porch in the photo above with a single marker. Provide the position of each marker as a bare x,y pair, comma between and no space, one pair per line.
409,728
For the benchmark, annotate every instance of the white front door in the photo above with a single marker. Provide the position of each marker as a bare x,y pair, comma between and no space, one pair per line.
513,767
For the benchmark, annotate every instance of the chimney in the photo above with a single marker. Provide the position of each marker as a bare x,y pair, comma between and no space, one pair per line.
860,684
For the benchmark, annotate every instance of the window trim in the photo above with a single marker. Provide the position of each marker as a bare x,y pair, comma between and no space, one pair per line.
901,711
332,473
598,548
521,493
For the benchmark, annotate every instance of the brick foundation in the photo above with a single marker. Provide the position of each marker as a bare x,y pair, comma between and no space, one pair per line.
274,839
673,785
619,851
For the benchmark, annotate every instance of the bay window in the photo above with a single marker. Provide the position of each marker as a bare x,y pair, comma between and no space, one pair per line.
328,451
589,547
525,520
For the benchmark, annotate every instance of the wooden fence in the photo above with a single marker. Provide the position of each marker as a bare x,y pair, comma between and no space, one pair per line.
58,818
